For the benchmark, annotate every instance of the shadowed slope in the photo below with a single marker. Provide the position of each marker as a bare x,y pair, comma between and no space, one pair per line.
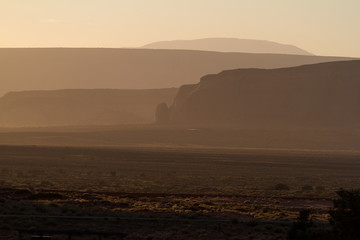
319,95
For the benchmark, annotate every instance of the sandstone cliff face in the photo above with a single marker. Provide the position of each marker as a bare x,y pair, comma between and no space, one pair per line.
318,95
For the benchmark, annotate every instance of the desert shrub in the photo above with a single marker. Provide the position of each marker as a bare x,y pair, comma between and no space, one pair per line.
46,196
307,188
281,186
50,222
302,229
268,227
345,215
234,221
40,208
253,223
259,228
278,230
4,226
344,220
21,192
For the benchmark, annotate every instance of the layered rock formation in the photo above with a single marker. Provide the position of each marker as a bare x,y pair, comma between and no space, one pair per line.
325,95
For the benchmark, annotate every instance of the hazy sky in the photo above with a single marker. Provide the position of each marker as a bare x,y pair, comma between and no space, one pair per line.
323,27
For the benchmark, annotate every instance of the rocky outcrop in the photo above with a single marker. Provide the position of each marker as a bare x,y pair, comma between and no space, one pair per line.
162,113
319,95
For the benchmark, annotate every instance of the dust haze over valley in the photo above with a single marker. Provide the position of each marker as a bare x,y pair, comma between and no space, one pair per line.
115,126
62,68
122,69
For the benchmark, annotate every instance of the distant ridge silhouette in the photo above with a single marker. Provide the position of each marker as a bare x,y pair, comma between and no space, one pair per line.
324,95
229,45
81,107
71,68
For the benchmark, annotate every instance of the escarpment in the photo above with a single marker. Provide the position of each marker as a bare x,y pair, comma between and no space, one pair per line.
318,95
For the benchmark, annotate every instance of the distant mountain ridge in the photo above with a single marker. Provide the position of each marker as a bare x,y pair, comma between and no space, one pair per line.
81,107
93,68
229,45
324,95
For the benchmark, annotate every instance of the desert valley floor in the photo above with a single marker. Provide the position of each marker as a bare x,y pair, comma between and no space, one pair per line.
168,193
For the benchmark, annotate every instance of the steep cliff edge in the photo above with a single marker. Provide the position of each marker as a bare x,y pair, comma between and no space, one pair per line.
325,95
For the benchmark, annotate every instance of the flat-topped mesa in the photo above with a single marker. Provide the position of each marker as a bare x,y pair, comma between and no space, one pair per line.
229,45
82,107
325,95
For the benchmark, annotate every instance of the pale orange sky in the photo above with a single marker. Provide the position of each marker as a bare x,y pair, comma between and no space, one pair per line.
323,27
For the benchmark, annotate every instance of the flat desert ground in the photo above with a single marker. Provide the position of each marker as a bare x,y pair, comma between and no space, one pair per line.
164,191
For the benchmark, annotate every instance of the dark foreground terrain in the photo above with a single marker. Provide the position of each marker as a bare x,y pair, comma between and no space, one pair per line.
168,193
